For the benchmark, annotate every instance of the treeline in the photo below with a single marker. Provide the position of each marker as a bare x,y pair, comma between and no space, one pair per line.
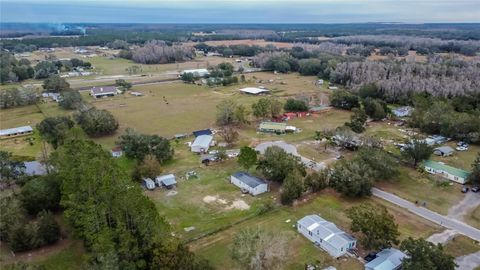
422,45
398,80
158,52
13,70
16,97
26,219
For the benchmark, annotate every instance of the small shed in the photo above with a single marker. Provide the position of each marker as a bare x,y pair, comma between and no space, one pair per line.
167,181
250,183
443,151
34,168
148,183
387,259
201,144
116,152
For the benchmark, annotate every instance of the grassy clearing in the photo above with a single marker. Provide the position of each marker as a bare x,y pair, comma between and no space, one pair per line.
473,217
459,159
461,246
413,186
329,205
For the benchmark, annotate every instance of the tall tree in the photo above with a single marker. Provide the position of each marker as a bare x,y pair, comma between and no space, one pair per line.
292,187
257,249
55,83
416,151
276,164
55,130
474,176
229,135
377,227
424,255
352,178
137,146
357,120
247,157
383,165
10,170
97,122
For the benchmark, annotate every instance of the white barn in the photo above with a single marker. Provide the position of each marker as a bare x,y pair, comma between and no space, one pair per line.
326,235
250,183
201,144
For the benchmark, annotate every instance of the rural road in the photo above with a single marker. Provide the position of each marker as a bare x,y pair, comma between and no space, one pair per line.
444,221
291,149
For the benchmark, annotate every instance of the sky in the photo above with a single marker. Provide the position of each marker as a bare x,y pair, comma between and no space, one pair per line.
239,11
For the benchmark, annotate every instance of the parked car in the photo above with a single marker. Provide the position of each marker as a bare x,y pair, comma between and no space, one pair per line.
475,189
370,257
465,189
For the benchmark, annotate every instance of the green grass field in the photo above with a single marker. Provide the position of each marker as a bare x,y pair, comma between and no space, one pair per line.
461,245
330,206
413,186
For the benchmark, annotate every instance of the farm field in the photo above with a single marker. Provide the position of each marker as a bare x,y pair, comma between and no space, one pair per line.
330,206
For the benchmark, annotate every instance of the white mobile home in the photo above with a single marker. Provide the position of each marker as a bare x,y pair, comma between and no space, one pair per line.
248,182
326,235
199,72
454,174
201,144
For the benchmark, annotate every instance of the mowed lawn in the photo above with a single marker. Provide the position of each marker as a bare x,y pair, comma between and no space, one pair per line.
461,245
414,186
329,205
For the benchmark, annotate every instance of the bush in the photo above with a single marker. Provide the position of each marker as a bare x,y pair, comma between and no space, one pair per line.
293,105
97,122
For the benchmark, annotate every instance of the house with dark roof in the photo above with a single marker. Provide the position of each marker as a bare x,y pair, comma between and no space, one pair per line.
326,235
387,259
249,183
202,132
103,91
438,168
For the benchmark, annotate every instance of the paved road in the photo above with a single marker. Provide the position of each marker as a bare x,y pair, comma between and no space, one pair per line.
291,149
444,221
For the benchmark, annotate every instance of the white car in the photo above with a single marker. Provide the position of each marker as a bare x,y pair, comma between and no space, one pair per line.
462,148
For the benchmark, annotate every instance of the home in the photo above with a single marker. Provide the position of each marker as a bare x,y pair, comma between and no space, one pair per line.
254,90
54,96
200,72
272,127
116,152
402,111
167,181
103,91
443,151
249,183
326,235
202,132
16,132
438,168
201,143
149,184
34,168
435,139
387,259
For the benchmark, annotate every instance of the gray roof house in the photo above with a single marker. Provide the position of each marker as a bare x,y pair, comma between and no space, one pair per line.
402,111
443,151
326,235
14,132
387,259
33,168
103,91
167,180
249,183
201,143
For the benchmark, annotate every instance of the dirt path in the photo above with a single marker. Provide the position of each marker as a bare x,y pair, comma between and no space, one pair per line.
442,237
469,202
468,262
